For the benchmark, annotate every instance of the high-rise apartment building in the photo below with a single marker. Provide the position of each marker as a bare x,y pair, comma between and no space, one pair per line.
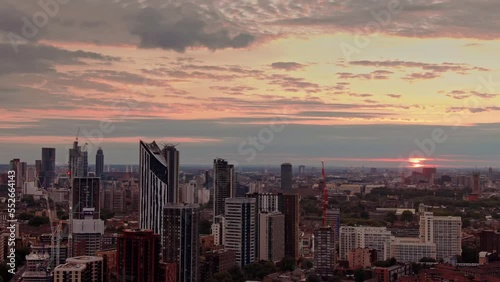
444,231
289,207
302,170
48,169
333,220
352,237
138,256
99,163
412,249
286,176
271,236
476,183
224,184
239,229
180,240
171,156
153,187
324,255
93,270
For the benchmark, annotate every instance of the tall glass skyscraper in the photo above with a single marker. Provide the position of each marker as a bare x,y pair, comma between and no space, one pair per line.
48,169
99,163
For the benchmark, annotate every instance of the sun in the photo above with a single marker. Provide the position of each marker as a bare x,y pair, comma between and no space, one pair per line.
416,162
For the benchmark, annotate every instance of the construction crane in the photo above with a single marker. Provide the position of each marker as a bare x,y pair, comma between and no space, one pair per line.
325,193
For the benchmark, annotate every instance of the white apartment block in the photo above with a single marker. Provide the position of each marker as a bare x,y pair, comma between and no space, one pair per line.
444,231
352,237
412,249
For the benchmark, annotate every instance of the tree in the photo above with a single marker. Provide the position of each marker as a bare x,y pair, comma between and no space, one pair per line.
465,223
364,214
237,274
38,220
334,279
105,214
359,275
205,226
391,217
221,277
287,264
313,278
426,259
307,264
407,216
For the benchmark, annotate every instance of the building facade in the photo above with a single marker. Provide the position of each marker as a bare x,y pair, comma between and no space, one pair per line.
224,185
271,236
239,229
286,176
325,251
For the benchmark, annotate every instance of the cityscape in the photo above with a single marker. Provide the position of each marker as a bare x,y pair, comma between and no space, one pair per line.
249,140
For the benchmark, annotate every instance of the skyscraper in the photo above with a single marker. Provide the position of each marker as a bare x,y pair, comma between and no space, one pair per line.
224,184
271,236
75,159
239,229
38,173
333,220
286,176
291,209
476,183
171,156
180,240
302,170
99,163
138,256
152,186
48,169
85,194
325,251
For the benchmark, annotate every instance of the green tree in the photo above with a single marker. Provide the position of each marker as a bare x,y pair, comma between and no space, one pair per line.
287,264
465,223
407,216
106,214
237,274
313,278
364,214
307,264
359,275
391,217
37,221
221,277
25,216
205,226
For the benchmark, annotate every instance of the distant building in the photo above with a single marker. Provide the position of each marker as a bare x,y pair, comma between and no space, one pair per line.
99,163
286,176
134,244
271,236
180,240
302,170
86,194
361,258
224,184
352,237
489,241
171,155
412,249
48,169
476,183
428,171
239,229
392,273
333,220
93,266
290,208
324,254
216,261
444,231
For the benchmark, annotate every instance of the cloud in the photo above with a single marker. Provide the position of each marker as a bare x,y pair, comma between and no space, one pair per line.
395,96
378,74
289,66
417,76
34,58
438,68
460,94
177,29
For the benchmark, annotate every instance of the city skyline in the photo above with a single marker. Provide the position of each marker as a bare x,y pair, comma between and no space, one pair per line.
214,74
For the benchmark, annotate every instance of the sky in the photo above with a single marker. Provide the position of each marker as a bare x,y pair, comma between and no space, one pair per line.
351,82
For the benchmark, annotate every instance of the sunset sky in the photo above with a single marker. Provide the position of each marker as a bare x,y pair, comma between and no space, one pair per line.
351,82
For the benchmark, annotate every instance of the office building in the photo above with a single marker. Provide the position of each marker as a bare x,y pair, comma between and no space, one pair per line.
392,273
138,256
38,173
271,236
290,208
171,156
377,238
75,161
216,261
325,251
224,184
15,165
444,231
239,229
476,183
412,249
302,170
94,267
286,176
428,172
180,240
218,230
48,169
152,186
86,236
266,202
37,264
99,163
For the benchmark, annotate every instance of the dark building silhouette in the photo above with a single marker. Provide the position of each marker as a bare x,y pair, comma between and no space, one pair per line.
48,169
286,176
171,156
489,241
138,256
428,171
86,194
180,240
289,207
476,183
216,261
325,251
224,181
99,163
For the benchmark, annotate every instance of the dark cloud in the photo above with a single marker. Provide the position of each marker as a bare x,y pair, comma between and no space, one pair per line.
378,74
40,58
460,94
176,29
289,66
395,96
418,75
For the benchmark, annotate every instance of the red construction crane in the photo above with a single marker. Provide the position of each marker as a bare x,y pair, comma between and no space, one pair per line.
325,194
